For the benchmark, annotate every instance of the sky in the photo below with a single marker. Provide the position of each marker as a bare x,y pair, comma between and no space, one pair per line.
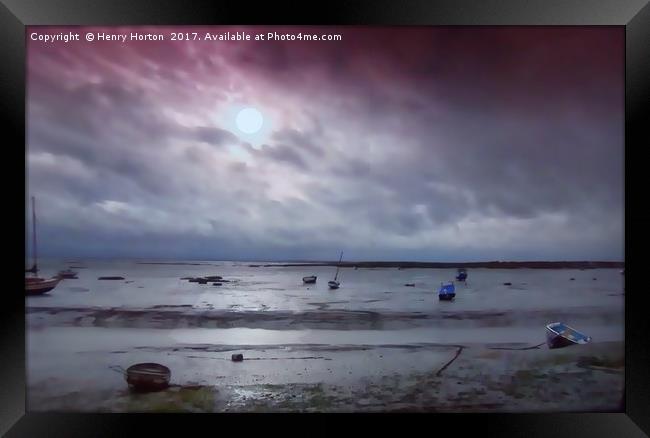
395,143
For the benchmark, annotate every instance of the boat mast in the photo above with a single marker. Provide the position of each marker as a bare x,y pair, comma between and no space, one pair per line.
338,266
35,268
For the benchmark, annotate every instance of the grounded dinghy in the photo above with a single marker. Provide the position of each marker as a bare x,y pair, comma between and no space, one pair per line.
560,335
310,279
146,377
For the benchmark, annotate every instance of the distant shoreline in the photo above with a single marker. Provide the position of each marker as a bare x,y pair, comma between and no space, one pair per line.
420,265
449,265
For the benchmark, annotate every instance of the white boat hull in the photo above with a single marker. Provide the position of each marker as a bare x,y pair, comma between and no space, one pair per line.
559,335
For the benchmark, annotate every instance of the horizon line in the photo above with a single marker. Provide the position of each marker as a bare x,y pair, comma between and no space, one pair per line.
305,260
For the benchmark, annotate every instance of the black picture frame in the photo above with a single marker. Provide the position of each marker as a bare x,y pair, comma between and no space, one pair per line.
634,15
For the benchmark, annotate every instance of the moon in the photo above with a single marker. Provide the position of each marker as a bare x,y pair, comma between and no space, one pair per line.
249,120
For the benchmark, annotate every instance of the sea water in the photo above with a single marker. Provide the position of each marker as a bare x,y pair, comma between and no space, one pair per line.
278,288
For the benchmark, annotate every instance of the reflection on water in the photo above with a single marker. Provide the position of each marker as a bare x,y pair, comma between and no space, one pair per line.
281,288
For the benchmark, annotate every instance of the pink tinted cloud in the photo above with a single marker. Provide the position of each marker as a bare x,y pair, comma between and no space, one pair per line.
377,117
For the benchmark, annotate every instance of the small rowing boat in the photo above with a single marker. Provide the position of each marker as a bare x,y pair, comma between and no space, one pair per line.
447,292
145,377
560,335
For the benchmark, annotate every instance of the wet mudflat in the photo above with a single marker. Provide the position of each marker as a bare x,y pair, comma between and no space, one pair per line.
419,377
373,345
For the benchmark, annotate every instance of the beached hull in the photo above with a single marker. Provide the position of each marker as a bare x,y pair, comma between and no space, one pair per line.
148,377
556,341
37,286
333,284
559,335
309,280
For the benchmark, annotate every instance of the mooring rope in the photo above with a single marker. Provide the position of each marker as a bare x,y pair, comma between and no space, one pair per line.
523,348
260,358
460,350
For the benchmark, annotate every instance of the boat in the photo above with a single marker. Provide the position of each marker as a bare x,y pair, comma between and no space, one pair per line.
560,335
310,279
68,273
447,291
461,275
145,377
335,284
36,285
39,286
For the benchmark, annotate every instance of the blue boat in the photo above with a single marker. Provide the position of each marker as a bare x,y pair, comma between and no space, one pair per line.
560,335
461,275
447,292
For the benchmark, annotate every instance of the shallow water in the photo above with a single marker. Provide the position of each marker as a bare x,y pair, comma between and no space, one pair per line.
281,288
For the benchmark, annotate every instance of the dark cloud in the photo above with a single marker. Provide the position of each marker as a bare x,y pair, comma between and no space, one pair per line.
306,141
286,154
423,143
214,136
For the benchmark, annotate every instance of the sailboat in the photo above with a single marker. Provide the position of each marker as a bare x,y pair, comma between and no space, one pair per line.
334,284
36,285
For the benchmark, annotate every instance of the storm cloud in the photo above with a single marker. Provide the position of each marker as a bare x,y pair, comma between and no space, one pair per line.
423,143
